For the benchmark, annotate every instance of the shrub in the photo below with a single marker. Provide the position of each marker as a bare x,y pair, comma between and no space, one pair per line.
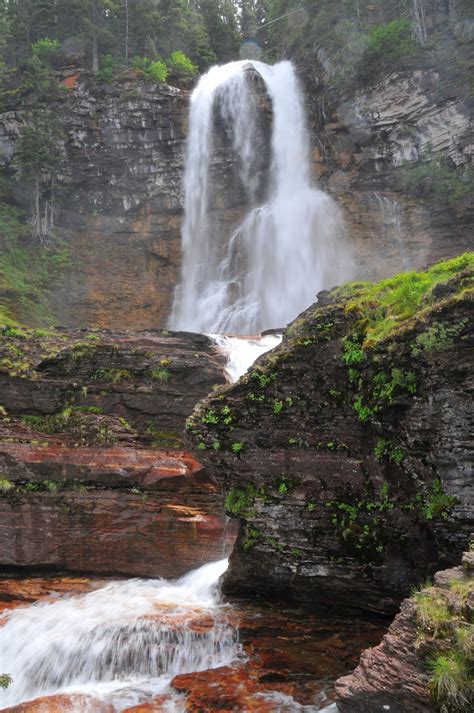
46,49
157,70
438,180
392,40
181,67
107,69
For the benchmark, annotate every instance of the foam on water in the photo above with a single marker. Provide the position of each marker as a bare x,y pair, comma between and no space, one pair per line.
122,642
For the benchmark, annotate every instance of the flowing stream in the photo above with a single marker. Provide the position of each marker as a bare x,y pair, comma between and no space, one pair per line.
270,267
122,643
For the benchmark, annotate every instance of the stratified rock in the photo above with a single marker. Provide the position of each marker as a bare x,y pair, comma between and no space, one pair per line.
395,675
93,475
347,457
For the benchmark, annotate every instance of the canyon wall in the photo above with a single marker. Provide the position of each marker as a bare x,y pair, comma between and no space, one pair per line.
344,452
94,477
119,199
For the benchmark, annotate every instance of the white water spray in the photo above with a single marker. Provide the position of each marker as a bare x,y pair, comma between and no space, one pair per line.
283,252
241,352
123,642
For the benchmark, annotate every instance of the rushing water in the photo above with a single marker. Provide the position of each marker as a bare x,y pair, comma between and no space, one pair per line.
123,642
272,265
241,352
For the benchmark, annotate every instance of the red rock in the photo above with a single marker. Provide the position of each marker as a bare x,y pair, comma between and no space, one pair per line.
62,704
157,705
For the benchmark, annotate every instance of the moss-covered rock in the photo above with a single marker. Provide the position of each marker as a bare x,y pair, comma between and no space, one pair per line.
345,451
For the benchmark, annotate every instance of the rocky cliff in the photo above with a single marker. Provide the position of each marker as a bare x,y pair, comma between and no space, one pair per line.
346,451
392,130
393,148
94,477
118,198
424,662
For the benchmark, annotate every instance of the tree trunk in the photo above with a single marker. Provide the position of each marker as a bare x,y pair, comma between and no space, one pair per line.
95,42
126,32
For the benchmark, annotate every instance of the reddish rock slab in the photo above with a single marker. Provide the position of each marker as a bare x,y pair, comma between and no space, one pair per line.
15,592
75,703
113,532
108,466
160,704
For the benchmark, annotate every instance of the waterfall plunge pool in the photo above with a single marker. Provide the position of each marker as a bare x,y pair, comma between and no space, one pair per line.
120,644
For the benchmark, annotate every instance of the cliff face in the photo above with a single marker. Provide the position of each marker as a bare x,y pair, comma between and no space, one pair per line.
396,674
345,451
395,150
392,141
118,199
94,477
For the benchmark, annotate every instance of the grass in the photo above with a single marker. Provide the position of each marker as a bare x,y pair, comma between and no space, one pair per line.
451,682
381,309
445,627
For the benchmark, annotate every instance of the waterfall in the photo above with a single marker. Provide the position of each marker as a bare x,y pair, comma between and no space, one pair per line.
419,22
261,274
392,216
123,642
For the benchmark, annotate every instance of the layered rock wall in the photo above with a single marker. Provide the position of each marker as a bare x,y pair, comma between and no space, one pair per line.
94,477
349,466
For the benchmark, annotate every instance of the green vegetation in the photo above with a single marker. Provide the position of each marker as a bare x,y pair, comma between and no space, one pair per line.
438,337
5,680
386,448
239,500
449,657
5,485
236,447
116,376
390,41
360,522
161,374
156,70
28,271
380,309
181,67
439,504
438,179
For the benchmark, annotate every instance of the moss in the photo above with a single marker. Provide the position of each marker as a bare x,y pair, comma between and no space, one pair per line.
239,500
380,309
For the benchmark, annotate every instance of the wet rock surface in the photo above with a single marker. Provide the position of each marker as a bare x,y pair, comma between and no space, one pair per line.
337,461
291,656
94,475
395,674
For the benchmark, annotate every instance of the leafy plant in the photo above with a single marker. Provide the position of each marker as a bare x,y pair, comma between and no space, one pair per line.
157,70
439,504
5,680
181,67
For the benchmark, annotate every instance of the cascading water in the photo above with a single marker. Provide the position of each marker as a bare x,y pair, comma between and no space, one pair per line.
123,642
272,265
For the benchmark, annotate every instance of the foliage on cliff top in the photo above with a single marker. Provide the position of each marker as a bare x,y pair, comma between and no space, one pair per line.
383,308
